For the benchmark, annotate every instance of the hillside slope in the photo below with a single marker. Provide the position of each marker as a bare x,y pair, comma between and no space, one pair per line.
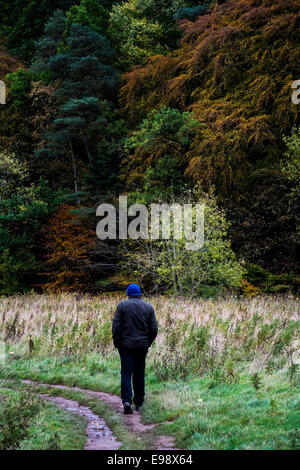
234,70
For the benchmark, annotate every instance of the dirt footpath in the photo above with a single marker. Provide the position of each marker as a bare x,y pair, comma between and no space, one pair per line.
100,437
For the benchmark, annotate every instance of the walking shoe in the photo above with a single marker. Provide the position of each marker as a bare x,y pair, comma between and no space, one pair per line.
138,407
127,408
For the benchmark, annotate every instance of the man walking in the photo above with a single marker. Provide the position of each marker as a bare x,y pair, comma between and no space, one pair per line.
134,329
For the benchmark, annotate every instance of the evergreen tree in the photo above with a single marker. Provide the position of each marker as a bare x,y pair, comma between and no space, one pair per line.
23,23
87,79
85,67
47,46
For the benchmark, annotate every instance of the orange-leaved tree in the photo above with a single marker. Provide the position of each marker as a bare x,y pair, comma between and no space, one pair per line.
68,241
233,69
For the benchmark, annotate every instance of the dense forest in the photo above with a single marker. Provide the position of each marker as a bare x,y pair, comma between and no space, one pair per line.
159,100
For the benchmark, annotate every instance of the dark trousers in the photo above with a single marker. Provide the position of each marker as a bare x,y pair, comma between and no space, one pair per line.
133,367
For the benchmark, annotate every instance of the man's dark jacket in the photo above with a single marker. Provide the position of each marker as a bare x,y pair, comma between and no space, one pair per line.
134,324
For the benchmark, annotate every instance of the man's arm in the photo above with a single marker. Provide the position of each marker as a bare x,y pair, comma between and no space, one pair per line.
117,326
152,327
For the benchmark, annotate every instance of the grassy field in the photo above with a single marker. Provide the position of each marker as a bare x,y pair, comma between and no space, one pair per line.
222,374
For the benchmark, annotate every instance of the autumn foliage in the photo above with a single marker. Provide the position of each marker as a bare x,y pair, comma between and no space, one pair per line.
234,69
67,241
155,99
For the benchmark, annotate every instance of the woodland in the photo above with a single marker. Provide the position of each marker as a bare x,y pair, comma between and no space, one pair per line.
159,100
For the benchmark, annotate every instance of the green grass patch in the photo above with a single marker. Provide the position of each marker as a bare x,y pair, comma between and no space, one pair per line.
199,412
29,423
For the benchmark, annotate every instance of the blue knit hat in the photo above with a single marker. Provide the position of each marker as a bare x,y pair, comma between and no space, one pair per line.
133,290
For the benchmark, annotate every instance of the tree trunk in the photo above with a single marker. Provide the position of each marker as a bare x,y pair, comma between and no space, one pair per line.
87,149
74,172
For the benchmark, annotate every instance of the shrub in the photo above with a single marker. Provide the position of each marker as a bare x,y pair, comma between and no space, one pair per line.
16,414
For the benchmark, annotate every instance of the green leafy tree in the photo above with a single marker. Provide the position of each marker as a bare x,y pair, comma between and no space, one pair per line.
19,84
23,23
23,207
169,265
134,37
90,13
141,28
291,161
157,152
16,115
12,174
291,168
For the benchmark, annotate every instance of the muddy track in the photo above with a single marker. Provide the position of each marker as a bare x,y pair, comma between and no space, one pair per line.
99,436
133,421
